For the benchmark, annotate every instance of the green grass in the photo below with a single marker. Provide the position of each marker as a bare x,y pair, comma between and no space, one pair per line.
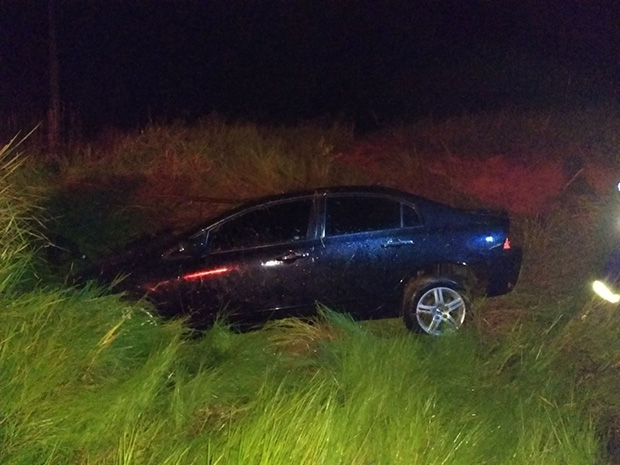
91,379
17,222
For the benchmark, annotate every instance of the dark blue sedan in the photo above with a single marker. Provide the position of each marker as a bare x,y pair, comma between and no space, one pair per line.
371,251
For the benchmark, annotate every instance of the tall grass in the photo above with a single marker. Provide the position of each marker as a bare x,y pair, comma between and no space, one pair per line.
172,176
90,378
16,217
94,381
233,160
563,249
583,133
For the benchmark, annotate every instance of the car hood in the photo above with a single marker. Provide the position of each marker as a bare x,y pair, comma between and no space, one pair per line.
134,255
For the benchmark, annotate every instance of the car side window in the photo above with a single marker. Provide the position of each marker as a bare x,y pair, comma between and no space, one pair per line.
410,216
348,214
274,224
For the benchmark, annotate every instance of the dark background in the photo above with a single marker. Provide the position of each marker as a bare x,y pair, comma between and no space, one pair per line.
125,63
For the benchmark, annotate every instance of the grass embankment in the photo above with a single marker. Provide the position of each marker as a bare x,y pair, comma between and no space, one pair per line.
171,176
92,381
88,378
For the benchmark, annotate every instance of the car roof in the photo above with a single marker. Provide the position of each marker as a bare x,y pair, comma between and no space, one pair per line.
353,189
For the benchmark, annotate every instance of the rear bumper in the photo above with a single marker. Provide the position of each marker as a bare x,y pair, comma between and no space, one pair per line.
504,272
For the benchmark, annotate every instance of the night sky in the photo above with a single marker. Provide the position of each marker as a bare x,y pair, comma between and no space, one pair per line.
124,63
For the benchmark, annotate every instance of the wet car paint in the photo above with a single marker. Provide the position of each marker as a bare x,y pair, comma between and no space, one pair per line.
364,272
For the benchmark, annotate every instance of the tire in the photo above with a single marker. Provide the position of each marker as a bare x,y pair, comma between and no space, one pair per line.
435,306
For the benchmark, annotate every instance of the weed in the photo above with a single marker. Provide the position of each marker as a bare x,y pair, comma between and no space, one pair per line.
90,378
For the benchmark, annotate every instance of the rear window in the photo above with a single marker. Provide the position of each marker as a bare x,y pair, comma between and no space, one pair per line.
410,216
349,215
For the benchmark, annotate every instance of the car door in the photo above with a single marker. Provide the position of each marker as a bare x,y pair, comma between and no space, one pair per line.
369,245
256,264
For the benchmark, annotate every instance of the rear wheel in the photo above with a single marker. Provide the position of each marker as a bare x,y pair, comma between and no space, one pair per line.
435,306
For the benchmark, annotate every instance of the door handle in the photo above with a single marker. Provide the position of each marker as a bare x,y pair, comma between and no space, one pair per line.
397,243
291,256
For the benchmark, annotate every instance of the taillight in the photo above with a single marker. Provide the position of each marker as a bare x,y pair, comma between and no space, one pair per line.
507,245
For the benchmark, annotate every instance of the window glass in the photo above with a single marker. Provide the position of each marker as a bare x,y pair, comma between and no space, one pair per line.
275,224
347,215
410,216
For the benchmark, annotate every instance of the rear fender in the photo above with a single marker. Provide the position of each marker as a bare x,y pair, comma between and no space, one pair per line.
471,277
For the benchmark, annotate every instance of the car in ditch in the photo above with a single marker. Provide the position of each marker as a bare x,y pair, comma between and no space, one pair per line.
371,251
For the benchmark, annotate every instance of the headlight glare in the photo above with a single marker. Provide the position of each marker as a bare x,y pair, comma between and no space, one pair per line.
603,291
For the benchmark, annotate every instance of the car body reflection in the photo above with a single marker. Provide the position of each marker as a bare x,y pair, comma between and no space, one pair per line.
371,251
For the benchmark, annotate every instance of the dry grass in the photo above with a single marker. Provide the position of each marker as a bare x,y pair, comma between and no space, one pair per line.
177,174
522,162
550,170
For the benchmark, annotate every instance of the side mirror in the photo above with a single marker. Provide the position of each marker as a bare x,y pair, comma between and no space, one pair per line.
183,249
186,248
